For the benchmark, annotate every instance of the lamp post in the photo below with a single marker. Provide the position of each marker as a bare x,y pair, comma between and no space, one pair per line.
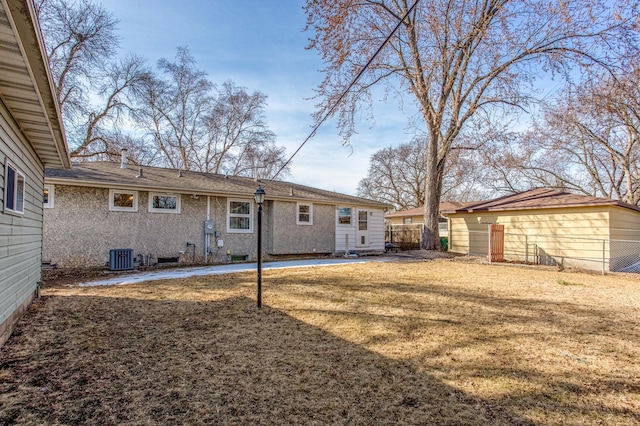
259,197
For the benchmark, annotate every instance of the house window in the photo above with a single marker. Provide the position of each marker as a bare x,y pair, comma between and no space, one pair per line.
239,216
14,190
123,200
164,203
407,221
47,196
344,215
304,214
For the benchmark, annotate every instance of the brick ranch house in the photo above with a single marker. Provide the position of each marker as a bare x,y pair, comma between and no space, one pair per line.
171,215
31,137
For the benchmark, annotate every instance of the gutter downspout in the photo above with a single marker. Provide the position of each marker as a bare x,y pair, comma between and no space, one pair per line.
207,237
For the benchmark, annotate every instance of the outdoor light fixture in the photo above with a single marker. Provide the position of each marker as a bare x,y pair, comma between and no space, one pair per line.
259,197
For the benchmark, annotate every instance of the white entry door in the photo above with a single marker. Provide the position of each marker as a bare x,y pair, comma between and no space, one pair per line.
362,234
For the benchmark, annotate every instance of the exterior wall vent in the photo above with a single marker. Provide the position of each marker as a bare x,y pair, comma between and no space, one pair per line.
120,259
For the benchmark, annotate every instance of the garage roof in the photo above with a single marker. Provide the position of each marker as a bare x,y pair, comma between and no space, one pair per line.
540,198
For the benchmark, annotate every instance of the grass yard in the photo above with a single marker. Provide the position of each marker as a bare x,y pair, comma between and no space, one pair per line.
438,342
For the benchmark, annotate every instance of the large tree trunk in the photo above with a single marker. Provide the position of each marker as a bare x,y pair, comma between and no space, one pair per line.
433,182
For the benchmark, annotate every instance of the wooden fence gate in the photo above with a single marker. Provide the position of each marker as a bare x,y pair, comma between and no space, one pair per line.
496,243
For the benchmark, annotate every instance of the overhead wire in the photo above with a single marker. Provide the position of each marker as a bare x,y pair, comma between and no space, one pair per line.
346,91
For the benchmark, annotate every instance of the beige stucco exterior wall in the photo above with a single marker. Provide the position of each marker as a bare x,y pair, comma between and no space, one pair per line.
233,244
572,236
285,236
80,231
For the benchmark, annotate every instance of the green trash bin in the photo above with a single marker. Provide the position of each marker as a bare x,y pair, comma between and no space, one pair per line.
444,243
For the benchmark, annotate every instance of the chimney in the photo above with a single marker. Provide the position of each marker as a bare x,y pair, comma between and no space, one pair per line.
123,161
140,173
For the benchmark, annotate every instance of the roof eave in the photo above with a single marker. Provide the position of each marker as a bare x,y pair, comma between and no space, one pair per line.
613,203
182,190
23,16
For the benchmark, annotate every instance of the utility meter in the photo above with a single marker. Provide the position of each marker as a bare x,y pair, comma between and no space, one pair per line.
208,227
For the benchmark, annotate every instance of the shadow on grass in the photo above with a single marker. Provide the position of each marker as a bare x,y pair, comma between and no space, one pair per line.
98,360
501,339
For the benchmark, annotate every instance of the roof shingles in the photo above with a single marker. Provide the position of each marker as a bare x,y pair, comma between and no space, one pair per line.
540,198
110,174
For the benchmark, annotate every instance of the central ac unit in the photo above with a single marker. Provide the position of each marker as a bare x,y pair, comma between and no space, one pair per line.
120,259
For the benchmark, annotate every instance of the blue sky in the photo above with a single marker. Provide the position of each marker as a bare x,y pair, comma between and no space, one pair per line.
260,45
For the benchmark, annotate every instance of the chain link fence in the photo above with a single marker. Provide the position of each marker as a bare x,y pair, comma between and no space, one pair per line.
563,251
553,250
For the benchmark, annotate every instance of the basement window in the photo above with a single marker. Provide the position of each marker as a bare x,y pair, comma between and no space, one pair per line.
121,200
14,190
164,203
304,214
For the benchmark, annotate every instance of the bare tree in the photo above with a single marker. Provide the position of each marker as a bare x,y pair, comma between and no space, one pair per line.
261,162
396,176
174,109
238,140
197,125
94,91
456,58
99,134
79,37
588,142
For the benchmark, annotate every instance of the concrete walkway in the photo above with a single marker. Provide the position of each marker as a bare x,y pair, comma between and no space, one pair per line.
138,277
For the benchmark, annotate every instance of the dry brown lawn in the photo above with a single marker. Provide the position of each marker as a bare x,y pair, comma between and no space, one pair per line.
438,342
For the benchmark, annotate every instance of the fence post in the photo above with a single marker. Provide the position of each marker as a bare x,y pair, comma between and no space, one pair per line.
489,249
603,254
526,249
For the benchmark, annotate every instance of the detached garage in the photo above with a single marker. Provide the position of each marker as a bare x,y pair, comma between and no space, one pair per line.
550,227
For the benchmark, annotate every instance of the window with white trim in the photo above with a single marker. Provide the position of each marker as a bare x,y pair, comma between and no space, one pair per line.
407,221
164,203
239,216
122,200
14,189
304,214
48,193
344,215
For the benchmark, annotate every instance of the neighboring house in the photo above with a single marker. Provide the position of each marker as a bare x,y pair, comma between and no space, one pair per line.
551,227
415,216
162,214
31,137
